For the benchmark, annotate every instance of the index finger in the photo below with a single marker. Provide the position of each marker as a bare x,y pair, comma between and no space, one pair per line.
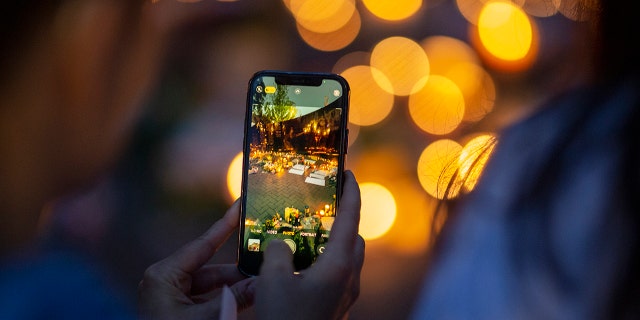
345,228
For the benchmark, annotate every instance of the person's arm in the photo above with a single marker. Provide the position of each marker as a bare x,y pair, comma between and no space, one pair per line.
328,288
181,286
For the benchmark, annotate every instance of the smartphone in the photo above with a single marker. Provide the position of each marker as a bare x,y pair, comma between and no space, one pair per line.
295,145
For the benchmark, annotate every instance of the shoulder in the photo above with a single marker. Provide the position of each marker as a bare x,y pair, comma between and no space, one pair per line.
593,110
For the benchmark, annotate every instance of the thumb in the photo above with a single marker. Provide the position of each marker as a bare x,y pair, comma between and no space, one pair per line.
278,259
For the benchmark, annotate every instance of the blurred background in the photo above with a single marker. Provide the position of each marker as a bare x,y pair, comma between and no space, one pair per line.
431,81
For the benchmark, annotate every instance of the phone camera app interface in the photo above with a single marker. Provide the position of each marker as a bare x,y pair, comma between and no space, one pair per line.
294,141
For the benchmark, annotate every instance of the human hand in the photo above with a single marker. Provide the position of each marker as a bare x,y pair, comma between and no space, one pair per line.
328,288
182,287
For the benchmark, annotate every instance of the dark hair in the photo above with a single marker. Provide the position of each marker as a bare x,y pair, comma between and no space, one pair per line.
618,26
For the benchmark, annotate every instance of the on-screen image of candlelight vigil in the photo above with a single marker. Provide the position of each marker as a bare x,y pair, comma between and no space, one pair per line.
292,173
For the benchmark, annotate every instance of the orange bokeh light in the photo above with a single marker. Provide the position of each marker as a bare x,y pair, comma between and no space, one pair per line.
369,103
322,16
393,10
505,37
457,61
403,62
437,168
333,40
234,177
438,108
473,159
505,30
477,87
378,211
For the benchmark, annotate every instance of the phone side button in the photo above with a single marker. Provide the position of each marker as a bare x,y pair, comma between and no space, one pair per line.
346,141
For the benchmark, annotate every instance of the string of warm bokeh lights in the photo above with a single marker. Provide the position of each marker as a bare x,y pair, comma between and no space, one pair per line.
443,81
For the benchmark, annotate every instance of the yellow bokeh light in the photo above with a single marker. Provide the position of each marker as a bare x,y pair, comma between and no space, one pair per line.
458,62
477,87
393,166
411,232
322,16
437,168
470,9
334,40
369,104
403,62
393,10
505,30
378,210
445,53
234,177
439,107
473,159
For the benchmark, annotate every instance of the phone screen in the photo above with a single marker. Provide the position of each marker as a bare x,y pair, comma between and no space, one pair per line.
294,153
